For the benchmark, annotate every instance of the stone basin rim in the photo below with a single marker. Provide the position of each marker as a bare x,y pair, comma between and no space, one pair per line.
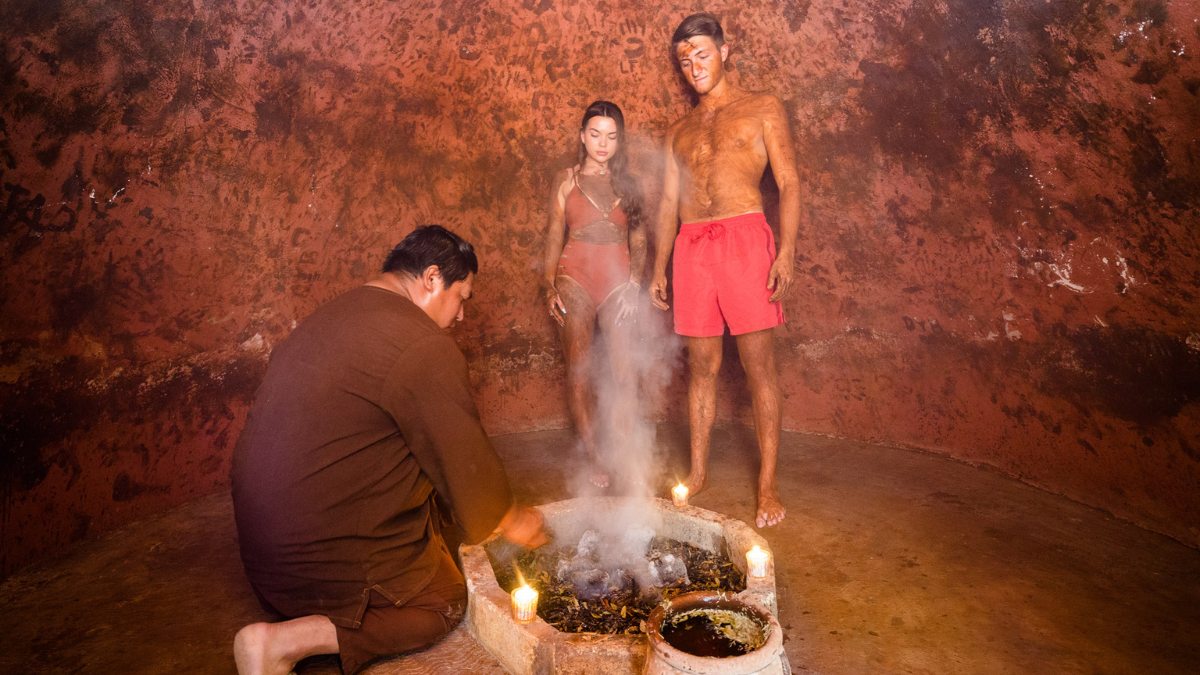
537,647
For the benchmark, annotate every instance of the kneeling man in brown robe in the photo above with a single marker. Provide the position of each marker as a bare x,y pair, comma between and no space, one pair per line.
363,443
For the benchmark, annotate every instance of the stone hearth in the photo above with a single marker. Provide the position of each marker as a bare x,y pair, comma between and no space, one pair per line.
537,648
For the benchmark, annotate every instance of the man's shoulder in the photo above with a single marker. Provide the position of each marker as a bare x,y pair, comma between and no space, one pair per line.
759,97
387,330
673,129
423,357
757,104
370,302
750,104
367,314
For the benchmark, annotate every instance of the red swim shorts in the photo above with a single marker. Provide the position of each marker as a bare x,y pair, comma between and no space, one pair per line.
720,279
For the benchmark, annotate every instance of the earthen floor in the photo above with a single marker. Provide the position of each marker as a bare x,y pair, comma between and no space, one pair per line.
890,561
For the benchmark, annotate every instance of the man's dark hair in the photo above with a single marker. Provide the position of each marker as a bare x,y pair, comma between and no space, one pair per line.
433,245
699,24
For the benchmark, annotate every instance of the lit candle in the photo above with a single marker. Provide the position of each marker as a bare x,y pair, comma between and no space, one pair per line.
524,604
756,562
679,495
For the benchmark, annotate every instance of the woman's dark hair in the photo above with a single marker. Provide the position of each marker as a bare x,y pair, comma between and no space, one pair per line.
626,185
433,245
697,25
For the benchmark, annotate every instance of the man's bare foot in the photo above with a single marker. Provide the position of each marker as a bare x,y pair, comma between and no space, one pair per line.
770,510
253,654
696,483
598,478
275,648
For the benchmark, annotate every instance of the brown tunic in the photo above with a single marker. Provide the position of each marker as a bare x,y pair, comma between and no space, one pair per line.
364,414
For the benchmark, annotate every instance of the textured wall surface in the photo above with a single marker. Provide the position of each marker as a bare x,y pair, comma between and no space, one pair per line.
1002,261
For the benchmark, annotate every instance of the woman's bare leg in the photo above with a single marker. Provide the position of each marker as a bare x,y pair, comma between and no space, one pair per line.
576,335
619,336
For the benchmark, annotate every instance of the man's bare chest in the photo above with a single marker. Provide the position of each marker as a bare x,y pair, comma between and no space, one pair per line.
713,136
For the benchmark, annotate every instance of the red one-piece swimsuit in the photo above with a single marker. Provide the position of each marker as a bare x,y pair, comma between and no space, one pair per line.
601,269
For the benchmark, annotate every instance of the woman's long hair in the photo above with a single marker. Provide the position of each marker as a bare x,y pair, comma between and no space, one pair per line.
626,185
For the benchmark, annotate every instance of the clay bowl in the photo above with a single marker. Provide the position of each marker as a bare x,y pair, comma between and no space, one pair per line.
664,659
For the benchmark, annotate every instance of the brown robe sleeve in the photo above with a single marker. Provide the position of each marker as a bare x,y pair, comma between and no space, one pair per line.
428,394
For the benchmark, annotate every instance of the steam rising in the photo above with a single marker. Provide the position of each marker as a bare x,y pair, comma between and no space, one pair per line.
603,567
630,390
630,384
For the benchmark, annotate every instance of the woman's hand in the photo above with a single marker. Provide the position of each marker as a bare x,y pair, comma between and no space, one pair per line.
627,303
557,309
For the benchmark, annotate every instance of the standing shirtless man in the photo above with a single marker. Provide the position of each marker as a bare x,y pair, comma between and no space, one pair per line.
726,272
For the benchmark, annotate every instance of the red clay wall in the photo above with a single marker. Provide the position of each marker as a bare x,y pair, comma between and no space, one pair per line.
1002,263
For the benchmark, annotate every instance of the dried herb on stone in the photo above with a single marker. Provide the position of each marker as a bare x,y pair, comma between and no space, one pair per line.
624,610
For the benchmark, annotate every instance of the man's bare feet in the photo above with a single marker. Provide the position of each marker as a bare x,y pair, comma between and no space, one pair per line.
275,648
696,483
251,647
770,510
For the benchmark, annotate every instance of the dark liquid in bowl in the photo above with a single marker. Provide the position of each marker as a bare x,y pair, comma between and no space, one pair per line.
697,635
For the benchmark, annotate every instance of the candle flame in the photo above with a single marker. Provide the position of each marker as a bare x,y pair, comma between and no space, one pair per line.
757,553
524,604
757,560
525,595
679,495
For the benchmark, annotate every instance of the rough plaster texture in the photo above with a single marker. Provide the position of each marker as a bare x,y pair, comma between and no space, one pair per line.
1001,261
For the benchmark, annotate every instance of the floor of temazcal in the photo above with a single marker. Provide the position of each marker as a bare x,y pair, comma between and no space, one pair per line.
889,561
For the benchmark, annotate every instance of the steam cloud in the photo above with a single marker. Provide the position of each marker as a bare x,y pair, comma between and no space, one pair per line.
628,403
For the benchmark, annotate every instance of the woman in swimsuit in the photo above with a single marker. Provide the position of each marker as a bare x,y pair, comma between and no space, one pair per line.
596,207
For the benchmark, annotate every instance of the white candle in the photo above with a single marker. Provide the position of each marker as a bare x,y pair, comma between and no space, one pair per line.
524,604
757,561
679,495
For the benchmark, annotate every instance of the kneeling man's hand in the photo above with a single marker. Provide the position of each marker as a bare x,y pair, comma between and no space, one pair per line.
523,525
